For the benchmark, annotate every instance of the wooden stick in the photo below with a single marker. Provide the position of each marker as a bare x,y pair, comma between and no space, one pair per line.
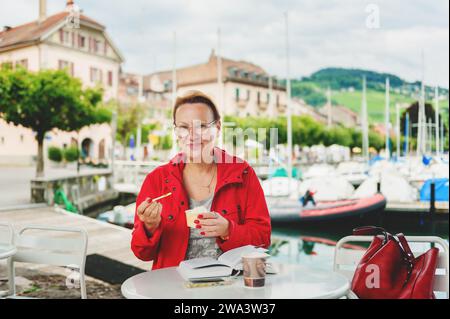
161,197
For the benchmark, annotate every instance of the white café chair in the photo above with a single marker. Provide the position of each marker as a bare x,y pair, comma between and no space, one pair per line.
346,260
6,233
37,248
6,238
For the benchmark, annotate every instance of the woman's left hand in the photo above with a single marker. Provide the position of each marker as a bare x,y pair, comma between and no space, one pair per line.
212,224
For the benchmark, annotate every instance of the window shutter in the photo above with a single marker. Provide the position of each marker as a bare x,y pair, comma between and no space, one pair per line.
61,35
110,78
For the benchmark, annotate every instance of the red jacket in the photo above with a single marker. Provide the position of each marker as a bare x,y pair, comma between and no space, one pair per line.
238,197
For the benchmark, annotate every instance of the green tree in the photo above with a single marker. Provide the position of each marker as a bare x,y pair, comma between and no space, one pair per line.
46,100
128,117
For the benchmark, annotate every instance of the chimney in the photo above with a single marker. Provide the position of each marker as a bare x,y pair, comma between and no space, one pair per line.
69,5
42,10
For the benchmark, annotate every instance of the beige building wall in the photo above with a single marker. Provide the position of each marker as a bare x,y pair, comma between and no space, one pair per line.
31,53
247,104
17,144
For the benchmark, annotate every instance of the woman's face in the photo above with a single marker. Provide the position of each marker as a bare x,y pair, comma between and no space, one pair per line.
196,131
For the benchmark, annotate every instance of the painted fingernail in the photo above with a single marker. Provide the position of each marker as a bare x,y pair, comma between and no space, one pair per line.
196,221
198,226
202,233
200,216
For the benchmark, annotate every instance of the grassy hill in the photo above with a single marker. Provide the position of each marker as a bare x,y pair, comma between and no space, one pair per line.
376,103
346,90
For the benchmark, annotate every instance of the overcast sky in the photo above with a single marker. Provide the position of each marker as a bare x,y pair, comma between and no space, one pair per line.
323,33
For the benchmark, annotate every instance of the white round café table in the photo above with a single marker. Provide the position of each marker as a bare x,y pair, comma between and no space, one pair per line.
291,282
7,250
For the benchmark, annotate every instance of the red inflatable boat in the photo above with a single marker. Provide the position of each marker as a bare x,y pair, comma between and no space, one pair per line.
293,211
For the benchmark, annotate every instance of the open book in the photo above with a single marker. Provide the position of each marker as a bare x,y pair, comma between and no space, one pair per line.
208,268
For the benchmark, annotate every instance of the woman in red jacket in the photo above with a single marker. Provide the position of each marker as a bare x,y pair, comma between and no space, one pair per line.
200,175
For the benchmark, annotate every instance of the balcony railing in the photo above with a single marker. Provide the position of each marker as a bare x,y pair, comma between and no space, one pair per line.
242,103
263,105
281,107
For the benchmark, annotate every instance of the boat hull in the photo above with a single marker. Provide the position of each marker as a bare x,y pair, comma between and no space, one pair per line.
329,211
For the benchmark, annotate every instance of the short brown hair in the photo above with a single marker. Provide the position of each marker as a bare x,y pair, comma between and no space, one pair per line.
192,97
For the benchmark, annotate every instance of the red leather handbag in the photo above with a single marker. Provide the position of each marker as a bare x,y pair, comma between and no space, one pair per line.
389,270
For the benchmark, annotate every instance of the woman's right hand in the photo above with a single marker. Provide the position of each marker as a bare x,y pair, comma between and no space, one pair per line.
150,214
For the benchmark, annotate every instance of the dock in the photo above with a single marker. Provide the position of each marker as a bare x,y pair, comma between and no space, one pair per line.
417,207
103,239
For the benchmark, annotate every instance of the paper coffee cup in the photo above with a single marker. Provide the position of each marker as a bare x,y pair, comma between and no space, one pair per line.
254,266
192,214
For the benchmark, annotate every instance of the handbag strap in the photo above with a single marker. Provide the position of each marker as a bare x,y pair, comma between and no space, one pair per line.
407,254
372,231
405,246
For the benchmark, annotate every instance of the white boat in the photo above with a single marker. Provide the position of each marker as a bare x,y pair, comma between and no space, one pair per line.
327,188
120,215
395,188
354,172
281,187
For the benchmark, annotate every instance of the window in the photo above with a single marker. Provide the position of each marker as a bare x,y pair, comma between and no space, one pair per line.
96,75
110,78
2,140
132,91
167,85
96,45
22,63
278,100
233,72
268,98
65,65
21,138
64,36
258,98
237,94
81,41
248,95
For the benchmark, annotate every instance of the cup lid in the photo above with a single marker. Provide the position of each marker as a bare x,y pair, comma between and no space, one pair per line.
255,254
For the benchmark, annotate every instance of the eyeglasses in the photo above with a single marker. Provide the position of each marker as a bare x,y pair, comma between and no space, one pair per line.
184,130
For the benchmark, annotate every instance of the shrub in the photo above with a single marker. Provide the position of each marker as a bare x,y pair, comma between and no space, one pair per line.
55,154
71,154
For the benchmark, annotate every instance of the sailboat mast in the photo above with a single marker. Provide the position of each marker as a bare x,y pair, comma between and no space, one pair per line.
421,132
141,100
364,122
271,110
436,121
330,114
406,150
288,105
220,87
386,118
174,87
397,128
